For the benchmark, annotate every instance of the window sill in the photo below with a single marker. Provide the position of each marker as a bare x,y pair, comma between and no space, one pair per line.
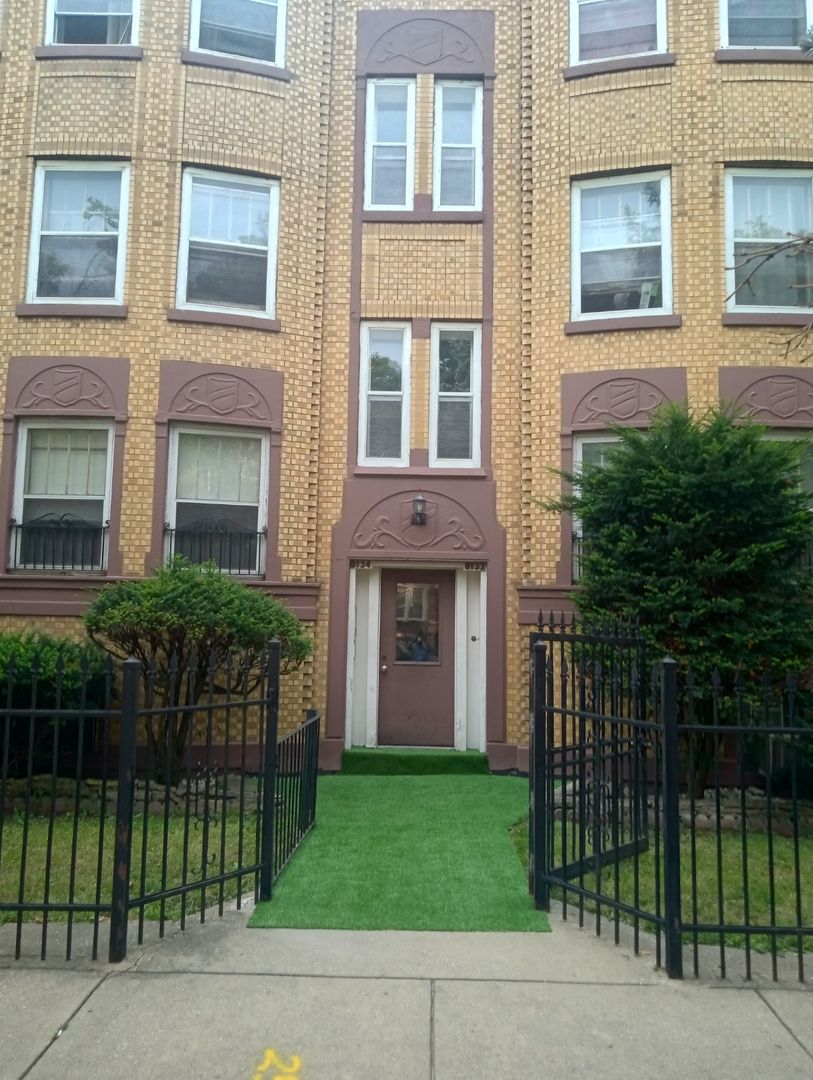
767,318
88,52
223,318
423,216
72,311
620,63
632,322
235,63
426,471
759,55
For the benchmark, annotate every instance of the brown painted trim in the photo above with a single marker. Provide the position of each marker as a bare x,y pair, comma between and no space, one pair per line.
88,52
779,397
633,322
403,43
755,318
415,468
72,311
70,595
507,758
545,598
419,460
421,329
759,55
222,318
191,392
330,755
621,63
422,217
235,63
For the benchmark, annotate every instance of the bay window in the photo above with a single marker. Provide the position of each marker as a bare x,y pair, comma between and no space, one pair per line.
79,232
604,29
228,250
249,29
385,394
622,260
91,22
756,24
764,208
61,504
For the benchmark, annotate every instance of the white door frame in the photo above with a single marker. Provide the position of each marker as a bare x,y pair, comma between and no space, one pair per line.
363,652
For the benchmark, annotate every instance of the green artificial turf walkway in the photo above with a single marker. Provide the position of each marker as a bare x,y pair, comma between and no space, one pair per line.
408,853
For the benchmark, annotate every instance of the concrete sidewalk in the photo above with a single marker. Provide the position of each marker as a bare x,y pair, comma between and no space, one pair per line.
334,1005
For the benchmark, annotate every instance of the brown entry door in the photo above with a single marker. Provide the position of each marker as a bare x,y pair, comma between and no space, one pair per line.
416,669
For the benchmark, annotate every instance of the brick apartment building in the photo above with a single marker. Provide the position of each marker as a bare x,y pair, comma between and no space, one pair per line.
327,289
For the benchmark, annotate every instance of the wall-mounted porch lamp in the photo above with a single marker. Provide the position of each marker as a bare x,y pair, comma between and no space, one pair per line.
419,510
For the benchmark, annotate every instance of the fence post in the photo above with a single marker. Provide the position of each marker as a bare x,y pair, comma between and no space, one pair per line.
671,820
539,807
124,812
270,774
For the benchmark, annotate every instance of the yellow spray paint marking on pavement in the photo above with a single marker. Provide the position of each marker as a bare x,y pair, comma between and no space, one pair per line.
283,1070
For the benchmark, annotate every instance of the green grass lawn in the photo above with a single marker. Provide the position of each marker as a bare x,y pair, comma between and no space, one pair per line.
409,853
733,897
87,845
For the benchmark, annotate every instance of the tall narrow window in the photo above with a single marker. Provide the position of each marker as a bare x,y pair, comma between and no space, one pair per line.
61,508
217,498
458,157
384,404
454,411
622,261
390,151
228,252
603,29
763,208
588,450
251,29
79,232
757,24
91,22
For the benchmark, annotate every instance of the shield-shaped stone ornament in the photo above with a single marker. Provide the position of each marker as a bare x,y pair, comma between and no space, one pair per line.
623,400
784,397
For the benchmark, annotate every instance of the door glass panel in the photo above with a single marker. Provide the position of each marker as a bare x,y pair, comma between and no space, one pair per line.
417,625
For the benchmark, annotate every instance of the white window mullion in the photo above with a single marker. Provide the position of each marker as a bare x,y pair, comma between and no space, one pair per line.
373,141
472,396
475,145
367,395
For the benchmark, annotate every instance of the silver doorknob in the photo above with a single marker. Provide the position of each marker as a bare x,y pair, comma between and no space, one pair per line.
384,668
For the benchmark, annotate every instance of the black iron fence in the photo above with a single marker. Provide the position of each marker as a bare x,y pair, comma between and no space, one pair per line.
137,796
665,804
235,551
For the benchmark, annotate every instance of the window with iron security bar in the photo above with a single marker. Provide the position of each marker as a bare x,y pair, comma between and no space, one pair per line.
249,29
754,24
118,802
605,29
217,498
765,208
673,808
79,232
62,496
622,248
92,22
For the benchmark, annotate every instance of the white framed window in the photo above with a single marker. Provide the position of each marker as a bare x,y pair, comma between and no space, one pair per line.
217,497
61,504
454,401
385,394
762,207
79,232
622,251
587,450
389,155
228,250
249,29
91,22
605,29
458,149
755,24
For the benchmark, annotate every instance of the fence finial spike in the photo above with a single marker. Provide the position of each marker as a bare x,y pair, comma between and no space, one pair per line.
540,621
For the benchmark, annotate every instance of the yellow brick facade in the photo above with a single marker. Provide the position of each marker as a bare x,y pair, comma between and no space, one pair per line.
510,270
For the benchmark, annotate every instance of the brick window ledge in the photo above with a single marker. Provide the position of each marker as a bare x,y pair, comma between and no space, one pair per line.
767,318
72,311
235,63
621,63
88,52
630,322
224,318
761,56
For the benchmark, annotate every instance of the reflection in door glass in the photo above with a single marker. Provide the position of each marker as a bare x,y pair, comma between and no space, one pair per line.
416,624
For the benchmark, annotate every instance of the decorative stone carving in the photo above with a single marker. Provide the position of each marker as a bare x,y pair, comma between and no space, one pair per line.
388,528
618,401
426,42
778,398
220,394
67,387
